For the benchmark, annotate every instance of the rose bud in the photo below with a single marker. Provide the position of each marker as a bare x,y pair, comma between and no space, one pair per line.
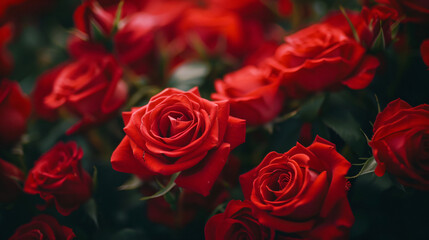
321,57
179,132
15,109
90,87
373,25
58,177
301,193
43,227
10,180
252,94
400,143
237,222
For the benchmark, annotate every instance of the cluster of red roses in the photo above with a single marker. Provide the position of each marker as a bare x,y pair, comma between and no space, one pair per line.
182,139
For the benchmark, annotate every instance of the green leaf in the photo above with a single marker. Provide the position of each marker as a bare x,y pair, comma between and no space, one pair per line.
285,134
337,116
171,184
133,183
117,18
189,75
310,109
368,167
91,210
94,178
355,34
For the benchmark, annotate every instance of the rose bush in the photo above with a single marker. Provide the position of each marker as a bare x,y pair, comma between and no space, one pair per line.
17,107
301,193
179,132
252,94
321,57
90,87
58,177
43,227
400,143
237,222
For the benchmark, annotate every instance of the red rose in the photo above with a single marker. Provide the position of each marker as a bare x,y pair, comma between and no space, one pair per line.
400,143
179,132
237,222
43,227
321,57
302,192
58,177
424,50
10,178
5,58
252,94
415,10
90,87
17,107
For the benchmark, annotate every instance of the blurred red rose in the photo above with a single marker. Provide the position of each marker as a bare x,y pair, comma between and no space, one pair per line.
373,25
252,94
6,4
58,177
90,87
424,50
10,179
302,192
237,222
220,32
5,57
144,35
179,132
414,10
43,227
15,109
400,143
321,57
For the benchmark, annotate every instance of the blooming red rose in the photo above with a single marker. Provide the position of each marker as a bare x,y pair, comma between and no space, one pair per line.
5,58
58,177
90,87
10,178
252,94
237,222
400,143
302,192
17,107
414,10
321,57
179,132
424,50
43,227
